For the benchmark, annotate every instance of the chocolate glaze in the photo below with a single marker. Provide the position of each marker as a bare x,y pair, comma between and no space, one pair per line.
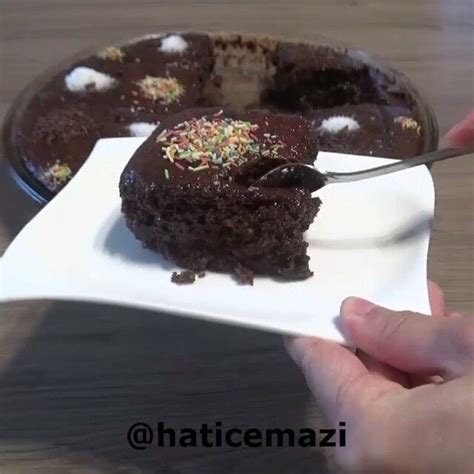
379,133
290,77
296,133
110,112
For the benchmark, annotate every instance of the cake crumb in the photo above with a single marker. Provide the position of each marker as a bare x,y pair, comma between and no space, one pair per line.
243,275
201,274
112,53
339,123
173,44
185,277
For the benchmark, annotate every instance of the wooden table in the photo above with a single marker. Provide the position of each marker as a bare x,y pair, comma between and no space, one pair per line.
74,377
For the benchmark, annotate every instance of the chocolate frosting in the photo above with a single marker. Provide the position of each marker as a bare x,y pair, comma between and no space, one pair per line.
294,132
60,125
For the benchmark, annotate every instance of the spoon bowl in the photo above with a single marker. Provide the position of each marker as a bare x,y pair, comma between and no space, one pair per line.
300,175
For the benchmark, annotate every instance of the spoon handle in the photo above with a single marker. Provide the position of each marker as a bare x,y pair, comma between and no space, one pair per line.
426,158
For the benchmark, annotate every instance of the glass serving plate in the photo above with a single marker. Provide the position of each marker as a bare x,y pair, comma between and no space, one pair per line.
242,66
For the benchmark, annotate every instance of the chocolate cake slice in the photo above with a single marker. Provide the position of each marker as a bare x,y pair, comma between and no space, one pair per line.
185,192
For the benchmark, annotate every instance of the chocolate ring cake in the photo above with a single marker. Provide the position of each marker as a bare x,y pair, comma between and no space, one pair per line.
185,192
354,104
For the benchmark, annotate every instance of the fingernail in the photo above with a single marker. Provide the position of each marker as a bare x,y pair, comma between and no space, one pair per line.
355,308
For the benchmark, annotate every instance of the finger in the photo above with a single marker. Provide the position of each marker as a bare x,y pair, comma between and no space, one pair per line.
462,134
436,297
335,376
407,341
383,371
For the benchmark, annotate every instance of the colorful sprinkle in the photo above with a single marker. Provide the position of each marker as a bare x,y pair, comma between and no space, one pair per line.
408,123
202,143
58,174
165,90
167,174
200,168
112,54
61,173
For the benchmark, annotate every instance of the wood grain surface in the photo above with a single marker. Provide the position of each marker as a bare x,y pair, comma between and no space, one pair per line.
74,377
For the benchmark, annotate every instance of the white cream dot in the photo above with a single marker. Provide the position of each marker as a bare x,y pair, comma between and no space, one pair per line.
338,123
173,44
83,78
142,129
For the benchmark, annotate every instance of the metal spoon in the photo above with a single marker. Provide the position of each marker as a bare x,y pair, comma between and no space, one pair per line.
310,178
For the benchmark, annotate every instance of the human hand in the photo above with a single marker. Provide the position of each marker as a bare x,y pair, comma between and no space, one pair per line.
407,397
462,134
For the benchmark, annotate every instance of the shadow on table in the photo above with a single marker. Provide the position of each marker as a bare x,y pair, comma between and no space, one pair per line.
92,371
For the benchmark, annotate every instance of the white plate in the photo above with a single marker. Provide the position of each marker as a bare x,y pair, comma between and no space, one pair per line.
78,248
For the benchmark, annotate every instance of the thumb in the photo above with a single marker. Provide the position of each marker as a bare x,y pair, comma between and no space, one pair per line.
338,379
462,134
410,342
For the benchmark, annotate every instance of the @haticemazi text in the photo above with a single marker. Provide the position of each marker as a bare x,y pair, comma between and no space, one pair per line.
142,435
